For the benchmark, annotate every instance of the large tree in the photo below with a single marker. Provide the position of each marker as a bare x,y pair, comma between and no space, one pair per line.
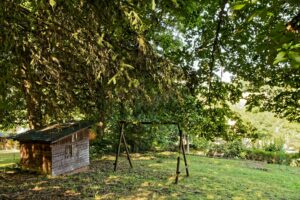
134,58
62,57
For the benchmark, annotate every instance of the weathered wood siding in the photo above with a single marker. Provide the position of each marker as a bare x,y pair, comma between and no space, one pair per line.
70,153
36,157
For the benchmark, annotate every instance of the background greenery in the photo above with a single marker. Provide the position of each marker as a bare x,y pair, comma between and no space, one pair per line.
159,60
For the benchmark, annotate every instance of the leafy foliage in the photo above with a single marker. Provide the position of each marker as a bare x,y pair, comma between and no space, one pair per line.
148,60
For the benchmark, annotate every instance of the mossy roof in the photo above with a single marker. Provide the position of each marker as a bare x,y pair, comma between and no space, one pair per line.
52,133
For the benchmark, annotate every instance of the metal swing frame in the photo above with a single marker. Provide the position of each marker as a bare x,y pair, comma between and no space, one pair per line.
181,149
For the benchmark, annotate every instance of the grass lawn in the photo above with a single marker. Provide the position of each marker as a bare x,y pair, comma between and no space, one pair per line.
8,157
153,178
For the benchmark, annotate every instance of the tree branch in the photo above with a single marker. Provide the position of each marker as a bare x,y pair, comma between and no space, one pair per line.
215,47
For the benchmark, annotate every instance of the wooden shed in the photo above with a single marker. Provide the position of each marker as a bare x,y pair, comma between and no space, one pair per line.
57,149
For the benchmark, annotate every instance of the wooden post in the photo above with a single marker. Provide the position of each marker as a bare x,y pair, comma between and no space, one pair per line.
184,157
180,147
119,146
177,170
127,151
178,158
122,137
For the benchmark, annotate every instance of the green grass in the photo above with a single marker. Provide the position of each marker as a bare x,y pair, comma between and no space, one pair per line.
153,177
8,158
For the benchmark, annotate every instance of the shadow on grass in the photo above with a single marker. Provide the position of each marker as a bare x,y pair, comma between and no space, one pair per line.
99,182
152,177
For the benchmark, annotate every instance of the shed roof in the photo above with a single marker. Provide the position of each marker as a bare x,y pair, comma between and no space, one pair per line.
52,133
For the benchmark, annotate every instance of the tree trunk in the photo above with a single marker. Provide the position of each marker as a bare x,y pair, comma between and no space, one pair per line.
33,100
101,105
101,124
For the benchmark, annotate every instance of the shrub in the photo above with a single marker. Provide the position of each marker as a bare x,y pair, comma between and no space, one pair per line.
216,150
104,144
295,163
234,149
199,143
243,155
278,157
275,146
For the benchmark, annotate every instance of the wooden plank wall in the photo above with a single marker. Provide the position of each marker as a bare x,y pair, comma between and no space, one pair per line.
36,157
70,153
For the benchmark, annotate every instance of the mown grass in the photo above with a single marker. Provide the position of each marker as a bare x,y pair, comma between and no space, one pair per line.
153,177
8,158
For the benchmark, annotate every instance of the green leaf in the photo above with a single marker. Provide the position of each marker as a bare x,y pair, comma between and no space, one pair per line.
295,64
113,80
55,59
238,7
114,57
52,3
100,40
153,5
295,56
175,3
280,57
124,65
296,46
252,16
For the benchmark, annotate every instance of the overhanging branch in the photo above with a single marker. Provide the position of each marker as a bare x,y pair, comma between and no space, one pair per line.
215,47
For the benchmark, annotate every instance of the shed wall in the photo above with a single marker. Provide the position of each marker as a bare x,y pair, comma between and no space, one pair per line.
70,153
36,156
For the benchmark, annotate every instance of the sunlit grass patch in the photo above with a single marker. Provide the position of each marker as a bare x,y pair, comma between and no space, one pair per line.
153,176
8,158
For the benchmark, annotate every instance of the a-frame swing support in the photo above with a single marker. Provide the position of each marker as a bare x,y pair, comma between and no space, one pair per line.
181,149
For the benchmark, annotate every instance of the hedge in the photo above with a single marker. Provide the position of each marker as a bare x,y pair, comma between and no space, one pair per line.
278,157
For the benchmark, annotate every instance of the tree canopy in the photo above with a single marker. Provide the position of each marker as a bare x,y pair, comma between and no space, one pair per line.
107,60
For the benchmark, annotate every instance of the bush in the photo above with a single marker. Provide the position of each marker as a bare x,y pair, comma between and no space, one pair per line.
277,157
199,143
138,138
275,146
295,163
234,149
216,150
103,145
